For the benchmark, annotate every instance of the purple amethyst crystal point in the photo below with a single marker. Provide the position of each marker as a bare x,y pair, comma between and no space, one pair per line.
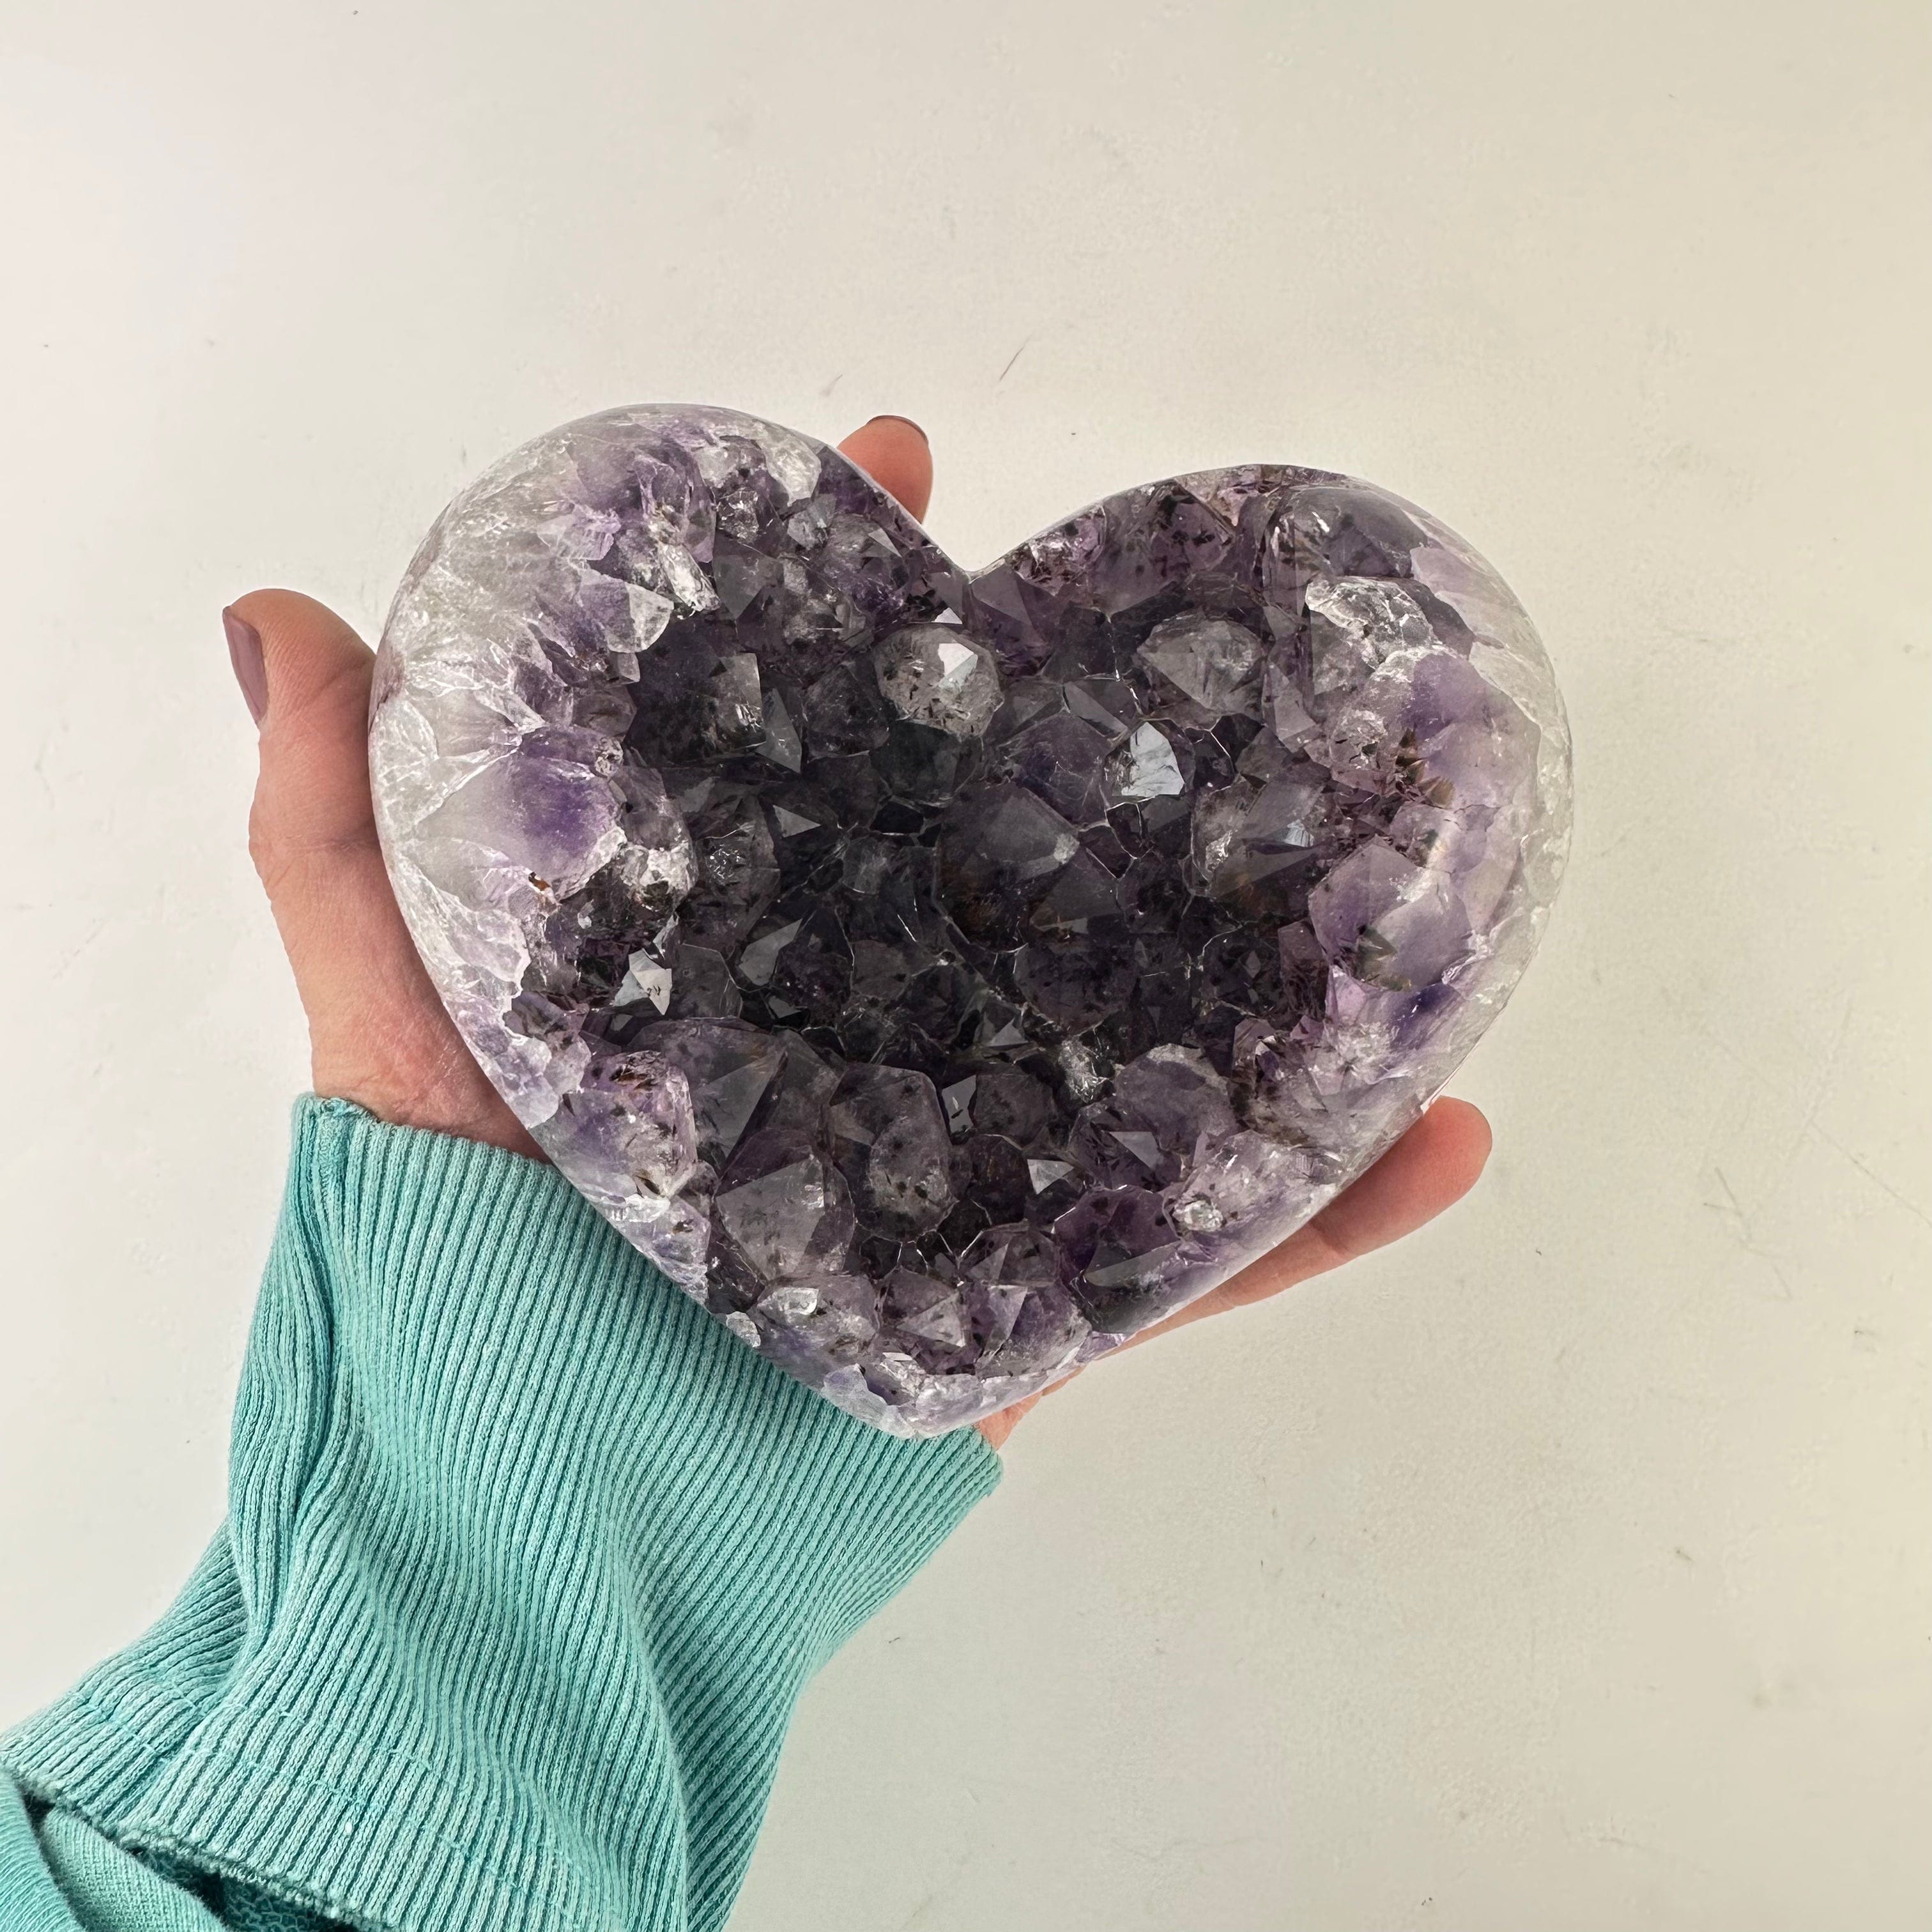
941,976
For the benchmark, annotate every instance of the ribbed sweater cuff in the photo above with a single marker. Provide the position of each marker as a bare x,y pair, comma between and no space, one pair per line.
527,1562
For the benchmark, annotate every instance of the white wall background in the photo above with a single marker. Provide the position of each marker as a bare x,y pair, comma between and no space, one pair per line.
1570,1567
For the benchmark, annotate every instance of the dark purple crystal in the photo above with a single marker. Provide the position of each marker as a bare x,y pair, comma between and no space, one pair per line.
943,975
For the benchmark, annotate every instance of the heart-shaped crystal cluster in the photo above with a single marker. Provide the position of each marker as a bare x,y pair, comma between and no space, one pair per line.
942,975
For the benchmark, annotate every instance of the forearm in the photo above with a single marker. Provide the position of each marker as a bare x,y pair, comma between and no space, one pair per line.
527,1560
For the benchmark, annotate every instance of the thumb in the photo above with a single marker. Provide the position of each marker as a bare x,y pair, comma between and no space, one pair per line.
378,1033
305,675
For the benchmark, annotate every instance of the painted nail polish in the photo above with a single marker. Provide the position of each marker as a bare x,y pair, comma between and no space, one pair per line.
244,653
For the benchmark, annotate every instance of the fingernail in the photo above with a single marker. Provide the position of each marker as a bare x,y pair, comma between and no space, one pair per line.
910,424
244,653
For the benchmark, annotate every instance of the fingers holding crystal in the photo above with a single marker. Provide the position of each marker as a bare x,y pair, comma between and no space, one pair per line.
379,1035
1427,1172
894,452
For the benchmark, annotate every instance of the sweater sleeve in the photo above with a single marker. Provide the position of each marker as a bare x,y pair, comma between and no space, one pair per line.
527,1562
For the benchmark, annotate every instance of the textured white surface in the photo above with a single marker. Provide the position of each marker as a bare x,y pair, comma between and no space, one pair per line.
1570,1567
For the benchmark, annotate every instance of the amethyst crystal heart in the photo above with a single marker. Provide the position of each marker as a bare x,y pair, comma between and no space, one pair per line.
943,975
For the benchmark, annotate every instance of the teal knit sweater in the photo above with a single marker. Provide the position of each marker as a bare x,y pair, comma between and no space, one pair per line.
526,1561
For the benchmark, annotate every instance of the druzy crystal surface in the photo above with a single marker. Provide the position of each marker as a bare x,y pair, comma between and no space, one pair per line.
942,975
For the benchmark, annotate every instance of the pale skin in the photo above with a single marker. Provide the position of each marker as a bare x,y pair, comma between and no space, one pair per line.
379,1035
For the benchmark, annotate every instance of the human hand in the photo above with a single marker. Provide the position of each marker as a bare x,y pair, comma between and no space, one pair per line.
379,1034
